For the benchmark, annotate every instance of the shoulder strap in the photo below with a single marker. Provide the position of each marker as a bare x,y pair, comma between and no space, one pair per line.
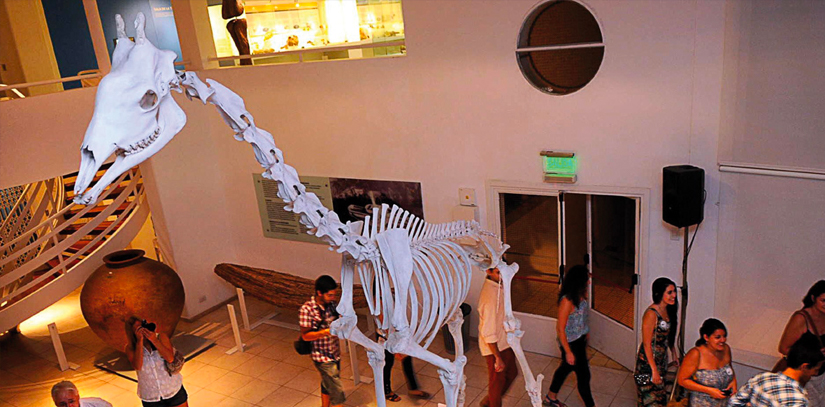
808,322
655,326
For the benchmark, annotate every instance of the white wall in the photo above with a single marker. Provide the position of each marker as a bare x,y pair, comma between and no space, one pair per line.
455,112
770,229
40,136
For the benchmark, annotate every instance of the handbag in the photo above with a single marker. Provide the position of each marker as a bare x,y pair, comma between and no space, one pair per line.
305,347
643,379
302,347
176,365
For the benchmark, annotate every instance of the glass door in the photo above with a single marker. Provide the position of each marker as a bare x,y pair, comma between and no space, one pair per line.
613,247
530,225
550,233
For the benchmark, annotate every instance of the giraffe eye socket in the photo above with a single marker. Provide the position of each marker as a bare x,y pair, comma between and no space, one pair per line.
149,100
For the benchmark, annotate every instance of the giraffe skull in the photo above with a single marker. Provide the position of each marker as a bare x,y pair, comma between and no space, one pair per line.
135,114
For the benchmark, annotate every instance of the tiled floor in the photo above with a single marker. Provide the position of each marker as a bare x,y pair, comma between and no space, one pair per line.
268,374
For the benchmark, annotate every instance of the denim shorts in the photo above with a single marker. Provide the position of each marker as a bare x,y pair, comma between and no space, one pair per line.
179,398
331,381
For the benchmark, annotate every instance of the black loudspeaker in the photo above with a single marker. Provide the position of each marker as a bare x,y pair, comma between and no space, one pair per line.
683,196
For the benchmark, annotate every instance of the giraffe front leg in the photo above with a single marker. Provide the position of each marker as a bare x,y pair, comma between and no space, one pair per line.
512,326
450,373
533,386
346,327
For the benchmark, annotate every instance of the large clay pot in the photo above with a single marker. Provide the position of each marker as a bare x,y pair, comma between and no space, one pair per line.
130,285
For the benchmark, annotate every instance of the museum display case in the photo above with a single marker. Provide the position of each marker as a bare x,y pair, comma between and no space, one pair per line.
286,31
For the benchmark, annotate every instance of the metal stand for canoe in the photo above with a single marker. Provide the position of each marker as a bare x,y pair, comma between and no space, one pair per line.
265,320
351,346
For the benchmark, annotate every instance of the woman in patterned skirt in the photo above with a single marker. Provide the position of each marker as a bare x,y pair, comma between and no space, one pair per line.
658,335
706,371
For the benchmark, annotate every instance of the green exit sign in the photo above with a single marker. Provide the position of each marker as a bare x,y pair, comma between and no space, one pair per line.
559,166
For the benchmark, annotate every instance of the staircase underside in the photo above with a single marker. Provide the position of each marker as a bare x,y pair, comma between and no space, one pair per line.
66,283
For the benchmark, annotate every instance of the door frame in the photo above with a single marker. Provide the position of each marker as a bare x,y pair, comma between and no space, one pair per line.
540,343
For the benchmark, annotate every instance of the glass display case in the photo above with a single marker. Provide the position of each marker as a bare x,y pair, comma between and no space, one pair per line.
325,29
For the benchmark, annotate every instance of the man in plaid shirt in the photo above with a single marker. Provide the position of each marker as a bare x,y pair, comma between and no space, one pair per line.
314,319
783,389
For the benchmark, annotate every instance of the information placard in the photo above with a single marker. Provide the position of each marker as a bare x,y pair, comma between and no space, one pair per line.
281,224
352,199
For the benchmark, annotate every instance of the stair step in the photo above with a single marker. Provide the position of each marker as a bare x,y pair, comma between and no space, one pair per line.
111,195
71,178
96,210
83,243
96,231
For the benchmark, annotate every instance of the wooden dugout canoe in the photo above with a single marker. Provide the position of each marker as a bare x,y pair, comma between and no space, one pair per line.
279,289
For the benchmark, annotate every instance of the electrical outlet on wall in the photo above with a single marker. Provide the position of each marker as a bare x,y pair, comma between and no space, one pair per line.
467,196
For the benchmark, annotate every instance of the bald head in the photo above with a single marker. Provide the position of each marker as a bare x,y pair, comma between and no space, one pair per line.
65,394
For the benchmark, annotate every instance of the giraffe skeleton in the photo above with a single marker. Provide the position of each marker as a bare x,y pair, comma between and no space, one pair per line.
415,274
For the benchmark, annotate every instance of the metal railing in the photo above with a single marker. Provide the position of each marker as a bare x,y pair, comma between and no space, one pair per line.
34,206
313,50
50,243
15,87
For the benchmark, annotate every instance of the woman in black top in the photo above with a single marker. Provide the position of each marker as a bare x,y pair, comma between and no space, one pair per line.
809,321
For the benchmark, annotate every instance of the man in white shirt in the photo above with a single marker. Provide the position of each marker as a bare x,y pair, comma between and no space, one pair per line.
492,340
65,394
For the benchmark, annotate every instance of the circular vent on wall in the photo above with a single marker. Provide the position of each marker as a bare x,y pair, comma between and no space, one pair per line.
560,47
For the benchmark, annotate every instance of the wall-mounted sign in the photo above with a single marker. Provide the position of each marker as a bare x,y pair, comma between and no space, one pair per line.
280,224
559,166
351,199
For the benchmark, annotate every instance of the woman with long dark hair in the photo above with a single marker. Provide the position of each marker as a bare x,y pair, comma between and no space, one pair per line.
659,326
157,364
706,371
572,332
809,321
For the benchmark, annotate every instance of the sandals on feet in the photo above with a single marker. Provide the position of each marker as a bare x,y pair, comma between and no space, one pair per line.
552,403
392,397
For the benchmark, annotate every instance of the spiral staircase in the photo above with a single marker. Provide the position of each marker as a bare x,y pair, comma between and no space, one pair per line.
49,245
